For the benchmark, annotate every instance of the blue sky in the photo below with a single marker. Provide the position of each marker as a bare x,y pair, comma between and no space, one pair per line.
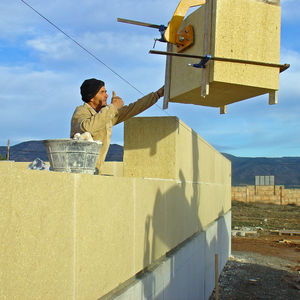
41,72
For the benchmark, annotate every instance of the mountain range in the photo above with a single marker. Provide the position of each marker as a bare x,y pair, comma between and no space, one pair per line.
29,151
285,169
244,169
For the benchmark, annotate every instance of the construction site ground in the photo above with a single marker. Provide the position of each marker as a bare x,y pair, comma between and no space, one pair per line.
263,265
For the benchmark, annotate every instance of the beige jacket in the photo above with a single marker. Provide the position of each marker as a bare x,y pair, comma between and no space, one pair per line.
100,124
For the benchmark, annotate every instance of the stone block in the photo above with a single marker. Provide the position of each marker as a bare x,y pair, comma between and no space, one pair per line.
36,234
167,148
236,29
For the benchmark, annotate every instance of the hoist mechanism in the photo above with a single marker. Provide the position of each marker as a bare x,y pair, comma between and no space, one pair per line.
171,34
224,56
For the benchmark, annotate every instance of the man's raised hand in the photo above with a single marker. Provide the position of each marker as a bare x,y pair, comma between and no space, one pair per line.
116,101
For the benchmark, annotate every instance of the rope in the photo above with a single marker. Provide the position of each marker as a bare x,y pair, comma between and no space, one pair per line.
97,59
82,47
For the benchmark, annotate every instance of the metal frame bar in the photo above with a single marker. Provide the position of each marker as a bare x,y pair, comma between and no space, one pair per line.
282,67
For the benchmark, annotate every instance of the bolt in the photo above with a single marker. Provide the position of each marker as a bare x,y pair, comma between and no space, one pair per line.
181,38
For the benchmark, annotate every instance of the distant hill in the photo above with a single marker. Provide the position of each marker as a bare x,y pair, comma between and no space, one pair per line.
285,169
244,169
29,151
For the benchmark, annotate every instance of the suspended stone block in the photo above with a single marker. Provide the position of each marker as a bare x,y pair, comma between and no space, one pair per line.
235,29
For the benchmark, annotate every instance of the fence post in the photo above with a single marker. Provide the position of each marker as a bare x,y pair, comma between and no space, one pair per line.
7,155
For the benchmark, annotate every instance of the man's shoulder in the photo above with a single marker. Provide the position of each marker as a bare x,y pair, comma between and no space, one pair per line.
83,109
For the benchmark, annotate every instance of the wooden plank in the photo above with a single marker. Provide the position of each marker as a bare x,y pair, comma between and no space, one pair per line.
167,78
282,67
273,97
223,109
138,23
286,232
207,46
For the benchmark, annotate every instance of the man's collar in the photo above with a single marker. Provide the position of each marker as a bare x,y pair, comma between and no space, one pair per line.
90,108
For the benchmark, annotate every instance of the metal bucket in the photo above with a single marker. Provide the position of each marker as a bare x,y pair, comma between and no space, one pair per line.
73,156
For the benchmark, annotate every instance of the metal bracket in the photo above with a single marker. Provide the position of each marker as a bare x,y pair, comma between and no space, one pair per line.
170,34
202,62
185,38
178,16
162,30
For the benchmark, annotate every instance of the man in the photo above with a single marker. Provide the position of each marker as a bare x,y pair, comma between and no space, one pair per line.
98,118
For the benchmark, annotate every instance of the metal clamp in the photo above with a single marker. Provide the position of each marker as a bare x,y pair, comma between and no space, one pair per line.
202,62
162,30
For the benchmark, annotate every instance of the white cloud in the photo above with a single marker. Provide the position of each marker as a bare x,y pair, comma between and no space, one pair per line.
56,47
36,103
289,79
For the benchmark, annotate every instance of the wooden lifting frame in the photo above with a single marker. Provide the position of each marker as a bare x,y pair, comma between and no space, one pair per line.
185,38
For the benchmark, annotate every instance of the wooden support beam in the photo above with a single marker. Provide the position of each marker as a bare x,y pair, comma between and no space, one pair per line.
273,97
282,68
138,23
167,78
223,109
207,47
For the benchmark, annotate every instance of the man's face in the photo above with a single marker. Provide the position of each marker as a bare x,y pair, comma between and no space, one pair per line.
100,99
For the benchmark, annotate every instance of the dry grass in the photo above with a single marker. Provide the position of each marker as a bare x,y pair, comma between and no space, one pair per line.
267,216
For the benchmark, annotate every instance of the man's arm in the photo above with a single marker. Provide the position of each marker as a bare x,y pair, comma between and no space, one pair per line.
128,111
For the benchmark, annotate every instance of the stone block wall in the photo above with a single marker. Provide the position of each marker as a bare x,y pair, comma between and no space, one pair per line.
266,194
80,236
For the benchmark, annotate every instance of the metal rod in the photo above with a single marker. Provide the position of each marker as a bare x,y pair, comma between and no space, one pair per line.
241,61
138,23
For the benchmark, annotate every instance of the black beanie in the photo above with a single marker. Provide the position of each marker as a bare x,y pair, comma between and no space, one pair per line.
90,88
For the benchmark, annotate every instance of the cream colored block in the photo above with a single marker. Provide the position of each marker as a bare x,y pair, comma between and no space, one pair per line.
150,222
167,148
181,212
112,168
149,148
104,234
5,165
36,235
24,165
239,29
16,165
197,160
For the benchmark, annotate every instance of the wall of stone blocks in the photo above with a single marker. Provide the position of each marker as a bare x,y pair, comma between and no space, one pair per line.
109,168
186,273
79,236
266,194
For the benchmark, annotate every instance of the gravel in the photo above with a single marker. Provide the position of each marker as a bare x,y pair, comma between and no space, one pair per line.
252,276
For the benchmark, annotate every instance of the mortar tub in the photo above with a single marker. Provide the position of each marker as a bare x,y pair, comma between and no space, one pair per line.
73,156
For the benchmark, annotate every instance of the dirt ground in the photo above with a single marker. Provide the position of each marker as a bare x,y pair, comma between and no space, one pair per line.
265,266
261,268
285,246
